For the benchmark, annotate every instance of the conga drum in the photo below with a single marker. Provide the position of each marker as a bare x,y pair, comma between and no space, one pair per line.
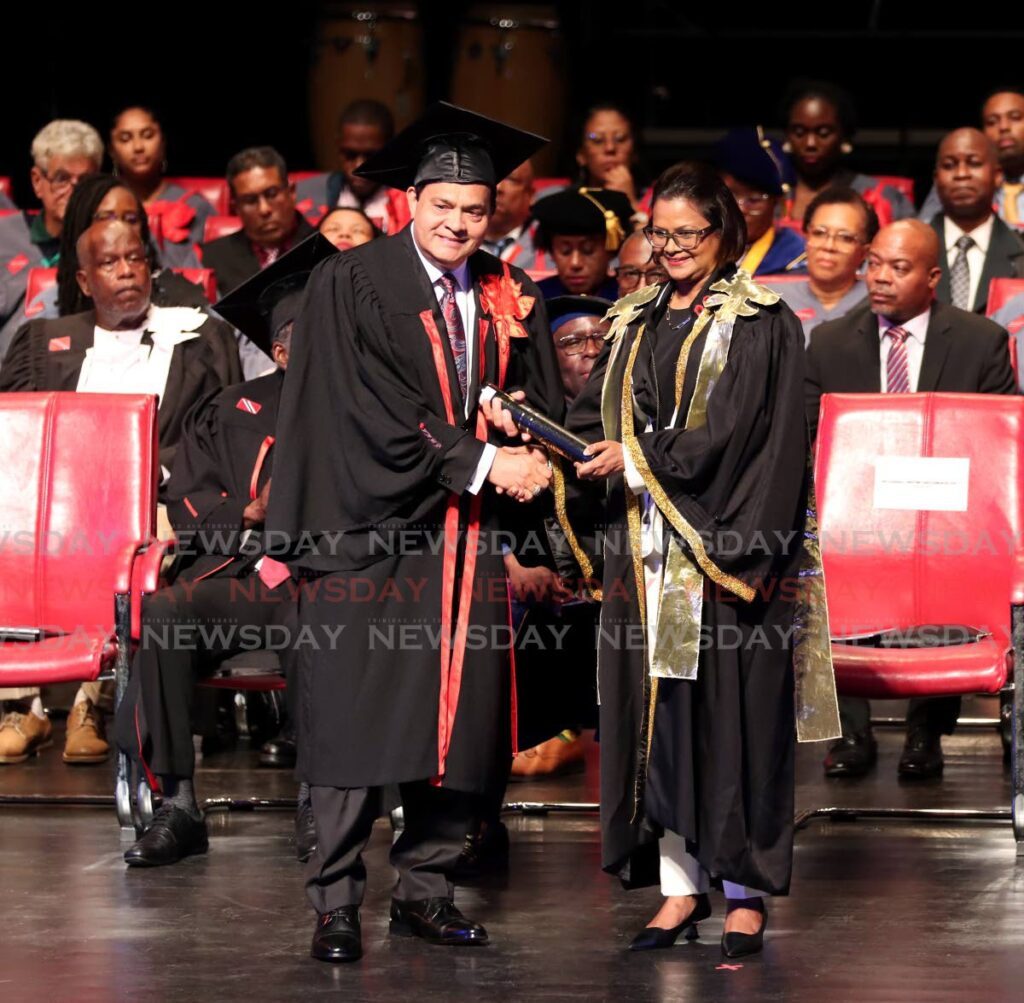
510,65
369,50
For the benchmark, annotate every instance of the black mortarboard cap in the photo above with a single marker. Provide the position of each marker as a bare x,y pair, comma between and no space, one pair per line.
453,145
751,157
562,309
258,307
586,210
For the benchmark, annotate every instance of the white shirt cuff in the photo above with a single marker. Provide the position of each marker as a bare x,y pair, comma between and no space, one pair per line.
483,468
633,478
165,474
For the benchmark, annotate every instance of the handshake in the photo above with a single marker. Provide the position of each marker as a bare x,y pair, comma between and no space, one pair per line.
521,472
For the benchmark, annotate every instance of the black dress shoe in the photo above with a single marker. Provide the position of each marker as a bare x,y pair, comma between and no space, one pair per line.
484,852
655,938
305,831
279,753
922,755
736,945
338,936
851,756
172,834
436,921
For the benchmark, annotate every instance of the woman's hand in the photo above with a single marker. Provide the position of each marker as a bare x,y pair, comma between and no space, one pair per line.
620,179
607,460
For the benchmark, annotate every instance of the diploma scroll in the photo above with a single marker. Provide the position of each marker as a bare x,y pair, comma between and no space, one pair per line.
548,433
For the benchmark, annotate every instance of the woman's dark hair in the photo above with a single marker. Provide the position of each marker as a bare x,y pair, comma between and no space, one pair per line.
148,109
803,89
701,186
579,128
374,229
840,195
82,206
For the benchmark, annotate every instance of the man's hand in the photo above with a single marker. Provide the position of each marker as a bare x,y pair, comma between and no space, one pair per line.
256,511
607,461
520,472
497,417
538,584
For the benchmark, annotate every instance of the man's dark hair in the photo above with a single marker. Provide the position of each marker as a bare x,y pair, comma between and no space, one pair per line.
841,195
82,206
491,188
833,94
255,156
366,111
700,184
1007,88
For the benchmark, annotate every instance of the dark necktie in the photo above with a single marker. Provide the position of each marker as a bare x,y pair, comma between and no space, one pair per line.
456,333
897,372
960,274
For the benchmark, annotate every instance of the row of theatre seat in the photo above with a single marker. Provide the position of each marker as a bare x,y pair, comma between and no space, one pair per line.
78,553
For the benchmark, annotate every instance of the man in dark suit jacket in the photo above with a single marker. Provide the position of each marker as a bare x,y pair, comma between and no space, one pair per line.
264,200
125,344
977,246
945,349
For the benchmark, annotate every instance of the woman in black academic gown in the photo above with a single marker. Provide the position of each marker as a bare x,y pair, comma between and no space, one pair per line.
695,412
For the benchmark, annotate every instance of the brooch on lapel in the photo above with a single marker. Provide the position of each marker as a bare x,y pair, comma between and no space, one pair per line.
60,344
250,407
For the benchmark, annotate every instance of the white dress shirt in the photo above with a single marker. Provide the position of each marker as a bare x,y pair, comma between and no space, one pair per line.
375,208
917,329
982,236
465,303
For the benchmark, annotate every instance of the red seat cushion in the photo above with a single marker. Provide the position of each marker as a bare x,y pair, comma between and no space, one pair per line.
74,657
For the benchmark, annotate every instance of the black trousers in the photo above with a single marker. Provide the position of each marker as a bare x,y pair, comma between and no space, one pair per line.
186,629
424,854
934,714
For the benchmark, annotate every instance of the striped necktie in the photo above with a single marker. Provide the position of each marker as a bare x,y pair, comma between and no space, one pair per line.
897,371
456,334
960,274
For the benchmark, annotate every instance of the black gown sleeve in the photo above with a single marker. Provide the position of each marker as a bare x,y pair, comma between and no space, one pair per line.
739,480
20,369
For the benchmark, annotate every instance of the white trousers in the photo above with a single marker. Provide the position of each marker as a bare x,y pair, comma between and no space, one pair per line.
681,874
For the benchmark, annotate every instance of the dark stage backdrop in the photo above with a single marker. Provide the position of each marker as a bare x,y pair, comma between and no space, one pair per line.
227,75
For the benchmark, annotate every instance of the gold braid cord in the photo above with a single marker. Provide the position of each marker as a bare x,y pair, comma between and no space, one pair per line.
586,566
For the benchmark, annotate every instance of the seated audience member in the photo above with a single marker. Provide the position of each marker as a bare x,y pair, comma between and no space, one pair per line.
510,232
217,500
264,200
637,267
138,153
820,125
63,152
346,228
97,198
901,341
123,344
364,128
1002,120
581,229
756,174
977,245
607,156
839,227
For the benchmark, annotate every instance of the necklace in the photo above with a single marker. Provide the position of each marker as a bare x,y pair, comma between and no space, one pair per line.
688,316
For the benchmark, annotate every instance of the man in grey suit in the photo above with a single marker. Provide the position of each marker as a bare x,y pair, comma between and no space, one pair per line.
902,340
977,246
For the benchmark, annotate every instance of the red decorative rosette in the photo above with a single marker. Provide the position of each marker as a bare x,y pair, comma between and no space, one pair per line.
502,298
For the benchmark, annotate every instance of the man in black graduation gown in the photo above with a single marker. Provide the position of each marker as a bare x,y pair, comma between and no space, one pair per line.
384,489
217,499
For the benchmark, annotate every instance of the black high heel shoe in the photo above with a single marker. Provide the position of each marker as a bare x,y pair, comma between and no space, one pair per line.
654,938
736,945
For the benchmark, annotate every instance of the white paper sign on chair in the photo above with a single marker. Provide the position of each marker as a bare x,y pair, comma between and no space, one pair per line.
922,483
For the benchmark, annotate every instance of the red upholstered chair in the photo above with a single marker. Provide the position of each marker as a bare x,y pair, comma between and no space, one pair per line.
908,544
39,280
214,190
78,497
1000,293
901,184
205,278
548,186
785,223
5,187
220,226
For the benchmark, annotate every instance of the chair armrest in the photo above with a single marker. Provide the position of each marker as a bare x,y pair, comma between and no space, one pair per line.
1017,584
146,573
125,578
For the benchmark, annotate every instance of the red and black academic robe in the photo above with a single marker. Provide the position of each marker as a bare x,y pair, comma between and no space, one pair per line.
374,456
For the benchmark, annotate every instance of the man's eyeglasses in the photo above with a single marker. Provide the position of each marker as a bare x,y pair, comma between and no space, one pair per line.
685,240
629,277
61,181
573,344
271,194
819,236
754,203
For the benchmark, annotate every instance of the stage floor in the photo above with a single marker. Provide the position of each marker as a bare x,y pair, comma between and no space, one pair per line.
879,911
